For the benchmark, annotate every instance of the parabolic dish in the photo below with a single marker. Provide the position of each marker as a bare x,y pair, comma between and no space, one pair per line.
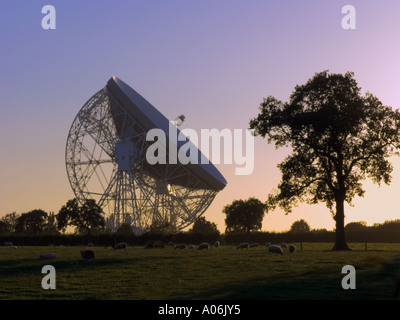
106,160
149,118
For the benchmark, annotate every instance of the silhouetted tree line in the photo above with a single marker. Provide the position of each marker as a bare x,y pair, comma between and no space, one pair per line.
21,230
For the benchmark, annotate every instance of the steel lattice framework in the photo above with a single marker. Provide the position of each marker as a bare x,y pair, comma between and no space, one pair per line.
106,161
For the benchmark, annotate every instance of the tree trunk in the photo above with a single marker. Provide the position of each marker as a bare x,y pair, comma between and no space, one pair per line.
340,241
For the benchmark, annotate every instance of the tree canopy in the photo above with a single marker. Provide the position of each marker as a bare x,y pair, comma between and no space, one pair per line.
300,226
85,218
338,138
244,215
32,222
203,226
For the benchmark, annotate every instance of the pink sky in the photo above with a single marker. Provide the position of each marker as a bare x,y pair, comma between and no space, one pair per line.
213,61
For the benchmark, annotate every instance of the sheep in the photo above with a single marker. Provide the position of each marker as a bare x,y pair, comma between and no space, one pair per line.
87,254
242,245
283,245
121,245
90,244
292,249
46,256
254,245
203,245
217,244
268,244
180,246
154,244
191,246
170,244
274,249
8,244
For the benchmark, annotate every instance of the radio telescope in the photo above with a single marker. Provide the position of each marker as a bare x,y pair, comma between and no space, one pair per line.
106,161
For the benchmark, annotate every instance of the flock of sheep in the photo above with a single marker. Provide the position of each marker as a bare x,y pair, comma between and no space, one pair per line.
271,248
244,245
89,254
85,254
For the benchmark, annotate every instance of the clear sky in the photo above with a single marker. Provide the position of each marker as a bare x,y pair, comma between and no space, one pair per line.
213,61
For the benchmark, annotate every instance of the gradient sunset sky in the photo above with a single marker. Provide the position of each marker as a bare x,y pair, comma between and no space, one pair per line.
212,60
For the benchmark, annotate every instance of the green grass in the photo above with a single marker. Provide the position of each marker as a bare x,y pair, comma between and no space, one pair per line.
220,273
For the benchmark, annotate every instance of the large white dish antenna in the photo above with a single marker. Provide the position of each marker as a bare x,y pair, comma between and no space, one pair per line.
106,161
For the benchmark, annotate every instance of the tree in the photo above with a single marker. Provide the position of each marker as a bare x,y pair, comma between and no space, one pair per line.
203,226
125,229
10,219
4,227
68,215
244,215
32,222
338,139
300,226
356,226
85,218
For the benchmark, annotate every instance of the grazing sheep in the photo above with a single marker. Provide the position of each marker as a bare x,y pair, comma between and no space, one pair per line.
46,256
154,244
90,244
274,249
170,244
292,249
203,245
121,245
14,247
268,244
191,246
242,245
217,244
87,254
8,244
283,245
254,245
180,246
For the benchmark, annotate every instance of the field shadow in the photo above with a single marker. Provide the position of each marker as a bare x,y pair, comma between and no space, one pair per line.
31,265
372,284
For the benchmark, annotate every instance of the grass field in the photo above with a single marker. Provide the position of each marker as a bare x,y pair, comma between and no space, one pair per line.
219,273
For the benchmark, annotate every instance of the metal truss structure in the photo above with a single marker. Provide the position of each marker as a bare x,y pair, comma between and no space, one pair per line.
106,161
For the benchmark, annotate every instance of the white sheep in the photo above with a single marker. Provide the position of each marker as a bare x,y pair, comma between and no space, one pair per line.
254,245
121,245
274,249
203,245
180,246
243,245
268,244
283,245
191,246
292,249
8,244
217,244
46,256
90,244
